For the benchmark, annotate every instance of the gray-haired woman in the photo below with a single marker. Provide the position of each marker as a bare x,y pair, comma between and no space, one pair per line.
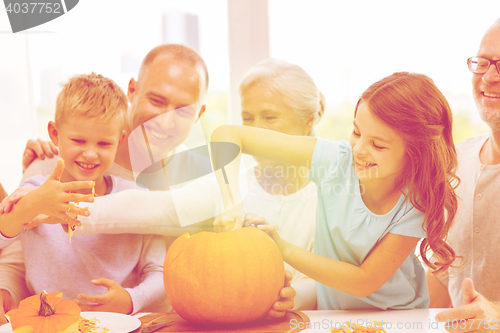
281,96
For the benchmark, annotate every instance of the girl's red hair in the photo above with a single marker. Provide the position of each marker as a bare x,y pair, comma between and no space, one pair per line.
413,106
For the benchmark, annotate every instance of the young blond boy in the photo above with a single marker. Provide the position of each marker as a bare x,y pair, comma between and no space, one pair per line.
117,273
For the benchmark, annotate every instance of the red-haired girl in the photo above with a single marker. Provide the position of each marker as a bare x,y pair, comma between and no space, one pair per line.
378,196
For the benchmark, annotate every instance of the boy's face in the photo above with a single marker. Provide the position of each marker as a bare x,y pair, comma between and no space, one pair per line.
87,146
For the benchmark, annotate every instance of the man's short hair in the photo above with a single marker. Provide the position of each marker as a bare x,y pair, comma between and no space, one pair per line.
93,96
178,52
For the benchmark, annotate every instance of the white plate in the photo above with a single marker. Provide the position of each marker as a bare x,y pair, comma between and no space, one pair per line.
115,322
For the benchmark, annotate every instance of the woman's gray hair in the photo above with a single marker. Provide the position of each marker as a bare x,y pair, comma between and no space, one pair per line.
298,88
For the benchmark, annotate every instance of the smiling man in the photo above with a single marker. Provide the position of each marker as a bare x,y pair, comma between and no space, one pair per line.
171,77
172,81
473,289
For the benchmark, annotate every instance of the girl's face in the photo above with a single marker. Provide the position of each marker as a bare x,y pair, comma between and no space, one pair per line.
379,152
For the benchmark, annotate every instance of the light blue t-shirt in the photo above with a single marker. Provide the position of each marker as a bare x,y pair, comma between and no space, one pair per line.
346,230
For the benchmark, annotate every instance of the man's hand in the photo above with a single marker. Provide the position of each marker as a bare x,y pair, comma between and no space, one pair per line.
476,315
6,304
116,299
45,219
38,148
285,303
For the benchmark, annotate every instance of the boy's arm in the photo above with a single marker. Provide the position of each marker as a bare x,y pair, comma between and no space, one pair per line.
52,198
12,271
12,224
151,290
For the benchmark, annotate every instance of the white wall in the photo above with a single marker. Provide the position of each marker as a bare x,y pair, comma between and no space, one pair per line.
17,107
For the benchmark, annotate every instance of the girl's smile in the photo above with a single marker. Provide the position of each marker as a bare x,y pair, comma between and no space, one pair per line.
363,164
379,152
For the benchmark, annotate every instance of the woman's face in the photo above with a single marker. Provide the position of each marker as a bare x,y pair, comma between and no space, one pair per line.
266,109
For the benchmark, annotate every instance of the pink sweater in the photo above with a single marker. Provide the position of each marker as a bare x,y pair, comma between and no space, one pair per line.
54,264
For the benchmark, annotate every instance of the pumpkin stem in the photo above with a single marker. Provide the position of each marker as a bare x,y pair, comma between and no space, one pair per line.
45,308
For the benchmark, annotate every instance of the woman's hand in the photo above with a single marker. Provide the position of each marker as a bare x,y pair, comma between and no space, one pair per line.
38,148
285,303
116,299
230,220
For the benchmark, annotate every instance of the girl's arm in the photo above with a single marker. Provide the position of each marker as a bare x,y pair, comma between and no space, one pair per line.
12,224
267,144
360,281
438,291
272,145
12,271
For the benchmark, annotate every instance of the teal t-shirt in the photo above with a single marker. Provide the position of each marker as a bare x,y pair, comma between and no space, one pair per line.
346,230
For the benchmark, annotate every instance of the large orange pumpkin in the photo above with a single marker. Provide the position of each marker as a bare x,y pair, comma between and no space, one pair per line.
229,277
45,313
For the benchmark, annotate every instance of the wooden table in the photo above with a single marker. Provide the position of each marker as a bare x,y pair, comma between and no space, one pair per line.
418,320
404,321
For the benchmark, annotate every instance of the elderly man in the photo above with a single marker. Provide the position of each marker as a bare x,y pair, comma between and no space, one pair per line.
474,233
166,102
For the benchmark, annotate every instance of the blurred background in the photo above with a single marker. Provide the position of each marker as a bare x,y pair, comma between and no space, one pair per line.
344,45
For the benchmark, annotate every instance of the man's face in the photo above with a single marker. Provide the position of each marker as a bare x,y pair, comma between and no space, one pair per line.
166,101
486,87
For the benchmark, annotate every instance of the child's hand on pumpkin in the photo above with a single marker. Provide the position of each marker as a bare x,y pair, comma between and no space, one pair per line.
116,299
231,219
6,304
285,303
261,223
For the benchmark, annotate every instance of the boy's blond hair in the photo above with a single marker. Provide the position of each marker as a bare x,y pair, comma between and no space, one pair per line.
93,96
